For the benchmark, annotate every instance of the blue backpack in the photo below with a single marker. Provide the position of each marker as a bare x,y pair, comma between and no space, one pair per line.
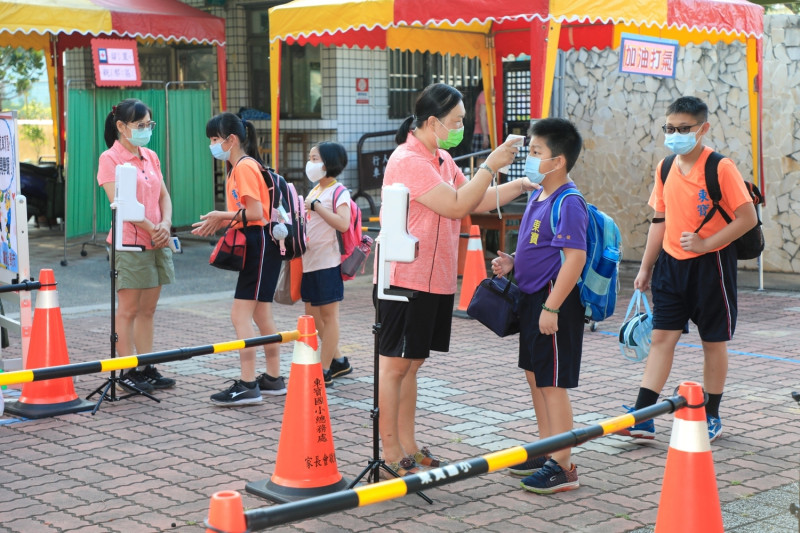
598,283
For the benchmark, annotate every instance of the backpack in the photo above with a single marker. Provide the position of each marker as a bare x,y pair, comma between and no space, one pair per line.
353,246
598,284
288,209
751,244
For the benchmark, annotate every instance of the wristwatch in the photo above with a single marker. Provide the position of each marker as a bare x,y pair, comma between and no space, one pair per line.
312,204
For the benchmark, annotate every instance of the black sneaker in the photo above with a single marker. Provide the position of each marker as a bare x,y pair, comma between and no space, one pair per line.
155,378
271,387
340,369
237,394
551,478
133,379
326,375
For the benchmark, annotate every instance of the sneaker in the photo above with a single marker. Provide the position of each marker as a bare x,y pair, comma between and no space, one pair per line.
714,428
404,467
271,387
133,379
155,378
425,458
340,369
528,467
237,394
642,430
326,375
551,478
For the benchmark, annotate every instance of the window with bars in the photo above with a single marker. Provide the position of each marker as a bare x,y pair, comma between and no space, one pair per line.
411,72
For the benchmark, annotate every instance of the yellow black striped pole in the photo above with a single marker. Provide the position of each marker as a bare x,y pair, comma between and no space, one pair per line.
259,519
132,361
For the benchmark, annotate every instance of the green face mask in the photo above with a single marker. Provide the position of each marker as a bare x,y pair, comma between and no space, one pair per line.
454,137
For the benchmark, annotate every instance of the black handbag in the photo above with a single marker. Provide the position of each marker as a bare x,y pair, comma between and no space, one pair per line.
494,305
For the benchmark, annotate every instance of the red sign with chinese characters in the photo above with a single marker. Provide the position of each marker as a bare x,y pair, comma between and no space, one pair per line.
362,90
648,55
116,63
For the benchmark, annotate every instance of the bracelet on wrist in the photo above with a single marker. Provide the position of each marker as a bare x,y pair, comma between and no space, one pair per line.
488,169
555,311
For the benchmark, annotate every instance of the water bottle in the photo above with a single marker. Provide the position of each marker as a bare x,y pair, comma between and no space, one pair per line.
608,264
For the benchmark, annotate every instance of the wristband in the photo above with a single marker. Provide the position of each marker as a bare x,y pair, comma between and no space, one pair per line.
657,220
556,311
312,204
488,169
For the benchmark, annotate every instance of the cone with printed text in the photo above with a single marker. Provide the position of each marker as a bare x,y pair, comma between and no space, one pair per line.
689,497
474,271
48,347
225,513
305,465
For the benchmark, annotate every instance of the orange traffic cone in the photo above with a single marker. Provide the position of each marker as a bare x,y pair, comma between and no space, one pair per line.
306,462
226,513
48,347
689,497
466,222
474,271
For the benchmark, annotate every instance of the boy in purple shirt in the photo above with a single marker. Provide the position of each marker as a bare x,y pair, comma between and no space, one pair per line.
550,310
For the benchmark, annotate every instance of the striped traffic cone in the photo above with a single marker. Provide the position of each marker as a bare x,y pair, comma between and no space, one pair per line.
48,347
474,271
689,498
305,465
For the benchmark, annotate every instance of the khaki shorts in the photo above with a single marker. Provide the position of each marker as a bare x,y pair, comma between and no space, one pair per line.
144,270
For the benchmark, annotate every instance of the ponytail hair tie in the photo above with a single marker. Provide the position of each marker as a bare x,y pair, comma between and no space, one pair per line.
114,110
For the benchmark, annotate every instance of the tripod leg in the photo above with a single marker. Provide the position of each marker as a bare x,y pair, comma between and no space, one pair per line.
103,396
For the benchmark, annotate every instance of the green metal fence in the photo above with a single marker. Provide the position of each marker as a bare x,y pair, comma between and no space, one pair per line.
187,166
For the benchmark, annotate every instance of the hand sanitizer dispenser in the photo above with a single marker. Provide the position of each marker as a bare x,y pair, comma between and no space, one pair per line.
394,242
127,207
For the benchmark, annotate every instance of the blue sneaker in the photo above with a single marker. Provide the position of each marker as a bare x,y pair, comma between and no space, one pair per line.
551,478
642,430
528,467
714,427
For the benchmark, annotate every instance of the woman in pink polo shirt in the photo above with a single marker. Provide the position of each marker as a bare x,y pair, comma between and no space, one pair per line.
440,196
140,275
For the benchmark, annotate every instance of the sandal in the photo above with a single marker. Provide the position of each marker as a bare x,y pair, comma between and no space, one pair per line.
404,467
425,458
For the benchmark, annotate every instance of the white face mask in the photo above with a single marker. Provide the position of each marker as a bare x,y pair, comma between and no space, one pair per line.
315,171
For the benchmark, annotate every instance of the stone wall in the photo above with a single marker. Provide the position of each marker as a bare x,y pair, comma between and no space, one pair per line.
621,115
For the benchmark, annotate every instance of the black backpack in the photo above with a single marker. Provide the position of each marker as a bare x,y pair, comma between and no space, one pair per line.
751,244
287,208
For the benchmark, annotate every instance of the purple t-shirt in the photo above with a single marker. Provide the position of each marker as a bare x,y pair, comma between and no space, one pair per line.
538,257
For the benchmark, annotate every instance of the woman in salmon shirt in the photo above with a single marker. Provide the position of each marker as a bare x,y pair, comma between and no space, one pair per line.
439,197
140,274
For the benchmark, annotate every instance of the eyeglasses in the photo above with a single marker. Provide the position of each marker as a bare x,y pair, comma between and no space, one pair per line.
666,128
141,126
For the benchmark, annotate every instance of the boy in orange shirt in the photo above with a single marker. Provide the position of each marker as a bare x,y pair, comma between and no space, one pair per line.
691,275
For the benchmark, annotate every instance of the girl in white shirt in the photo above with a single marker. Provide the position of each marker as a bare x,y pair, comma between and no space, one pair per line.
322,288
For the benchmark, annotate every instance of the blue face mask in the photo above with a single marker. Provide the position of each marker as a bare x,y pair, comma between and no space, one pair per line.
681,143
140,137
218,152
532,169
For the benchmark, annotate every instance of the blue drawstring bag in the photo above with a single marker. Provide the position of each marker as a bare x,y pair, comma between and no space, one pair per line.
637,329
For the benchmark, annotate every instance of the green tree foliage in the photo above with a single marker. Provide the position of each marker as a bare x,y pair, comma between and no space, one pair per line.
19,68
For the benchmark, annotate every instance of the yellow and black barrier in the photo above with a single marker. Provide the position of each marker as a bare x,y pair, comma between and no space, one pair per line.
132,361
259,519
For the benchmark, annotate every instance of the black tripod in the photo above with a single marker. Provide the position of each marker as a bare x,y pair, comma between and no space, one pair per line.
108,391
374,465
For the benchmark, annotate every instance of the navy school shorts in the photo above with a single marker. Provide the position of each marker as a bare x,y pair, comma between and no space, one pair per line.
262,265
555,360
322,287
701,289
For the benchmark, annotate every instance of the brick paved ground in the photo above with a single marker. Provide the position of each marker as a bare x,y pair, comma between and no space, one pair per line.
141,466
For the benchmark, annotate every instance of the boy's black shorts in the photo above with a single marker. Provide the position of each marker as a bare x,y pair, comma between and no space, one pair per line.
555,360
701,289
412,329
